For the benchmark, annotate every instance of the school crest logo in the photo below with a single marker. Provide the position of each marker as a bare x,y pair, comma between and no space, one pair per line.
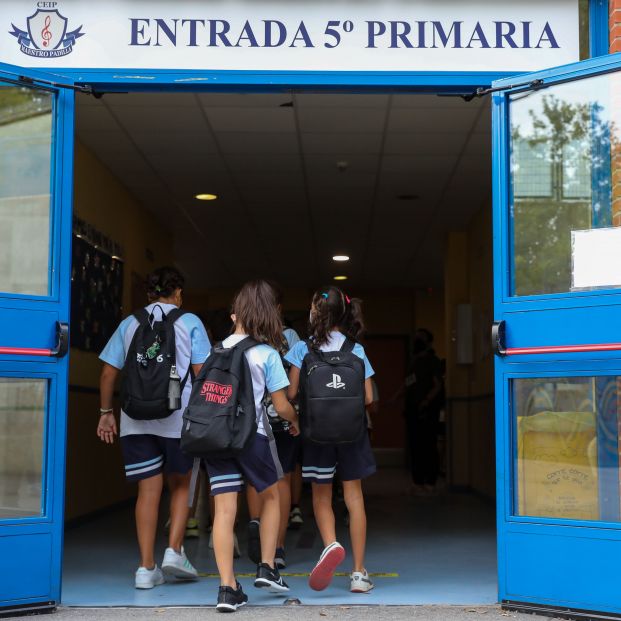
47,33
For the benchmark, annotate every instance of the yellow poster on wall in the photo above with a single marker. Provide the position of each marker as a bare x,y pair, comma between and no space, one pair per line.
557,465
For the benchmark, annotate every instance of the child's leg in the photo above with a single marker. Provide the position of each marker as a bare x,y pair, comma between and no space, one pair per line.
254,502
284,491
270,523
354,500
223,528
147,507
179,486
296,486
324,514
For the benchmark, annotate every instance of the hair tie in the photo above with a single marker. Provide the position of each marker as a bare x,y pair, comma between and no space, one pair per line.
348,300
325,295
158,289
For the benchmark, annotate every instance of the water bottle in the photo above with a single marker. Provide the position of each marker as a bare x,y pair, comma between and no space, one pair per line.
174,389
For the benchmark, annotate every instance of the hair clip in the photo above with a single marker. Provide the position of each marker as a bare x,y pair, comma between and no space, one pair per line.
325,295
348,300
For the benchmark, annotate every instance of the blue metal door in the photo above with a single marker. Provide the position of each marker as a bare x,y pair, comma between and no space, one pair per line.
36,157
557,272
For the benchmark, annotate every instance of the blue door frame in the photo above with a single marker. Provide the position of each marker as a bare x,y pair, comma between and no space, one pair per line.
41,314
33,341
535,553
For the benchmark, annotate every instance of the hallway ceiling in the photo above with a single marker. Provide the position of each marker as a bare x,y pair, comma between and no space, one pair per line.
417,167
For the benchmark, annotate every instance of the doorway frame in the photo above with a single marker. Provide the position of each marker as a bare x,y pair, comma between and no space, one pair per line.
438,83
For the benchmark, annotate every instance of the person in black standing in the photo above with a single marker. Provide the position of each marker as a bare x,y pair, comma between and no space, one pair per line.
423,402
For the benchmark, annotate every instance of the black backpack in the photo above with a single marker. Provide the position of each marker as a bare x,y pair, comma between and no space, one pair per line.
221,417
332,397
148,366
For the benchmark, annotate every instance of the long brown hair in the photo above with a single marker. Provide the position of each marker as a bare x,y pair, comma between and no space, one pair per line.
332,309
256,311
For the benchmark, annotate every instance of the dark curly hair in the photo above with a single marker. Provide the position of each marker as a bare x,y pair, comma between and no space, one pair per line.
333,310
163,282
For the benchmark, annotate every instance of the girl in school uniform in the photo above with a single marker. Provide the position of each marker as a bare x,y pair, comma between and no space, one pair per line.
255,314
333,318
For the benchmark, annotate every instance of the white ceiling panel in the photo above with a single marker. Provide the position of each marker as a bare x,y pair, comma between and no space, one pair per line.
362,143
348,101
275,171
264,144
402,143
432,120
160,118
244,100
251,120
183,143
353,120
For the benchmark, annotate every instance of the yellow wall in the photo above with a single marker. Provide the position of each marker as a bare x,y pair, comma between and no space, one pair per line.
95,471
470,387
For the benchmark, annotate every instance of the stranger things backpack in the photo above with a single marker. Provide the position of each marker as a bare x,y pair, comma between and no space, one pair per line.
221,417
150,366
332,400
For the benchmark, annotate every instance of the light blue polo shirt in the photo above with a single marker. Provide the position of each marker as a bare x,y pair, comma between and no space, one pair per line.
192,347
335,342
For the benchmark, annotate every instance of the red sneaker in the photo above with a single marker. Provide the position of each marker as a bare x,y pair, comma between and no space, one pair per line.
330,559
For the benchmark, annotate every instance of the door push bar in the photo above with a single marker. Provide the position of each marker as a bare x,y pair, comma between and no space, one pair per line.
500,348
60,350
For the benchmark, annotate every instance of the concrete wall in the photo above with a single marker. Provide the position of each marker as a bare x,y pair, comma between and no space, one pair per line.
95,476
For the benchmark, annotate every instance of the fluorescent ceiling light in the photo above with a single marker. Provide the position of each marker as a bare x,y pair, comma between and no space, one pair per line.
206,197
340,257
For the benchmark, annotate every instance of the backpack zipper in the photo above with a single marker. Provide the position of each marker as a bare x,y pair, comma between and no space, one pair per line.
315,366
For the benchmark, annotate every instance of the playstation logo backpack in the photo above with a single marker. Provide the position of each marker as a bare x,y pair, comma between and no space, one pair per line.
332,407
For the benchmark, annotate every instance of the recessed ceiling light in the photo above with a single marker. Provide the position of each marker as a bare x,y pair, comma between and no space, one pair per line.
340,257
206,197
340,278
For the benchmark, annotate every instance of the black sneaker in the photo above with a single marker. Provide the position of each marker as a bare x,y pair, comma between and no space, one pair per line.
279,560
269,579
229,599
254,542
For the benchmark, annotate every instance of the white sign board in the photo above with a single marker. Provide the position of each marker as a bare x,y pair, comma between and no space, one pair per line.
295,35
596,258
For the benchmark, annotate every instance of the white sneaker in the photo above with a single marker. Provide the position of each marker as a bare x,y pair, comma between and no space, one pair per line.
178,566
360,582
149,578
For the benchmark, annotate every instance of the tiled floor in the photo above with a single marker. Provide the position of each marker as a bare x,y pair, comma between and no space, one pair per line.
438,550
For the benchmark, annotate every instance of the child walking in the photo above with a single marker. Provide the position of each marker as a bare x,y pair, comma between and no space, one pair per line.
150,441
255,314
288,447
336,321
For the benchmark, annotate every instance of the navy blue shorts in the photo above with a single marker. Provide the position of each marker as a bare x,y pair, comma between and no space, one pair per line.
288,448
320,462
259,465
147,456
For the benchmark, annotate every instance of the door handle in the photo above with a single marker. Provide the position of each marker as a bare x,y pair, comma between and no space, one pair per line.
500,347
60,349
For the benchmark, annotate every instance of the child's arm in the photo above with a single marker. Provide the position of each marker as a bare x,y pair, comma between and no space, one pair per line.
283,408
368,391
106,429
294,382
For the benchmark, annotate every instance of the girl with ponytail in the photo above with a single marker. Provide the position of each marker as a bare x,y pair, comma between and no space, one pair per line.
336,319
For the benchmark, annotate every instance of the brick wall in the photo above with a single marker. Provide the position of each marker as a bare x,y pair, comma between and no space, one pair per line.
615,26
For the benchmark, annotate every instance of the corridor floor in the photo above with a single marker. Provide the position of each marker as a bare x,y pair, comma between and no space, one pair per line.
436,550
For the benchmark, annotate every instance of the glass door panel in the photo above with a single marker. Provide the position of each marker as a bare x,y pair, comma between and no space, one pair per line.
23,406
565,139
26,141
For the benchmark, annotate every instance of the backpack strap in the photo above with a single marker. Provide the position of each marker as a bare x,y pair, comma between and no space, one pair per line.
348,345
141,316
174,314
246,344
